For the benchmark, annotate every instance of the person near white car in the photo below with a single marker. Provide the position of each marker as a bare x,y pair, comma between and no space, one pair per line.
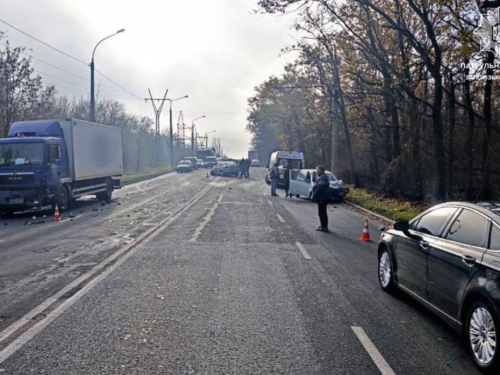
273,175
321,196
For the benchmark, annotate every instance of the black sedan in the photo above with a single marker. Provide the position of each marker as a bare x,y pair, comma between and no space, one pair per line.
225,168
448,258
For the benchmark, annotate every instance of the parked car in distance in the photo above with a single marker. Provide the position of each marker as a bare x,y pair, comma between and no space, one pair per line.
184,166
193,160
448,259
256,163
302,183
200,163
210,161
225,168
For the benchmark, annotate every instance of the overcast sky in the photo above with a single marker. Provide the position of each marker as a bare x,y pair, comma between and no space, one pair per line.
215,51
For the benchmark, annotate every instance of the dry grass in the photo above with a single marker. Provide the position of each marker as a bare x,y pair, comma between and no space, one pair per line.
394,209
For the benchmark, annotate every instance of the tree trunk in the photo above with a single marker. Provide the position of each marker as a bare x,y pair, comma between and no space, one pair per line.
485,193
437,121
451,136
469,190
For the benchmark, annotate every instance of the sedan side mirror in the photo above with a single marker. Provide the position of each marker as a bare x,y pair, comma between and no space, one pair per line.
402,226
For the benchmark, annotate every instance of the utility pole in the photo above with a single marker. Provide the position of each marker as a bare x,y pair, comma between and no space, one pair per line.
172,162
193,134
157,110
193,137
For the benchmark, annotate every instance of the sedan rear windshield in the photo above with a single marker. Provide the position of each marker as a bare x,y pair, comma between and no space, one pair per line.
21,154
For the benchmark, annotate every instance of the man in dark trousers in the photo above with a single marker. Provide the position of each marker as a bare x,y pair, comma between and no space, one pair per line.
247,168
321,196
273,175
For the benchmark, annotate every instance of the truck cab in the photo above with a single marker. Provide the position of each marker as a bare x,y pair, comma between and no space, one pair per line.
31,168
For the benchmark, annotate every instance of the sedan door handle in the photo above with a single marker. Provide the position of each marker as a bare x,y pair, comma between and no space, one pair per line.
468,260
424,245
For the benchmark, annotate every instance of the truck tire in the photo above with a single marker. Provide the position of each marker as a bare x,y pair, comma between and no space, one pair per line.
6,213
106,195
62,200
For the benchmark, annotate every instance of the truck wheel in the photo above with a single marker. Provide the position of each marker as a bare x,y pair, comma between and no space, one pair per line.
6,213
62,200
106,195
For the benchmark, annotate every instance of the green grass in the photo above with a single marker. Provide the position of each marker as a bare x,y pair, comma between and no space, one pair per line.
155,172
394,209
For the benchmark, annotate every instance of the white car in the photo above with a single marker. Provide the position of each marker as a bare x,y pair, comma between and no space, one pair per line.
255,163
302,183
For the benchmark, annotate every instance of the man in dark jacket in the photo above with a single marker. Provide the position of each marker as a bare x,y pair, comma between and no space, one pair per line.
247,168
273,175
321,195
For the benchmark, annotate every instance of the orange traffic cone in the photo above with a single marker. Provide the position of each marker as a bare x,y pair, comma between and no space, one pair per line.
365,236
57,217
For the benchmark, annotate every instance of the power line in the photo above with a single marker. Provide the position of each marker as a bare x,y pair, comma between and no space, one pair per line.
85,87
83,92
46,63
45,44
63,70
124,89
68,55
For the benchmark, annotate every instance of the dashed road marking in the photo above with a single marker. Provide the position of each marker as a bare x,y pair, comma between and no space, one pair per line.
381,363
280,218
303,250
270,203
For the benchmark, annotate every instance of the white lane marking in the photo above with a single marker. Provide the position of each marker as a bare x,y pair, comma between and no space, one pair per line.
36,329
206,220
270,203
381,363
303,250
280,218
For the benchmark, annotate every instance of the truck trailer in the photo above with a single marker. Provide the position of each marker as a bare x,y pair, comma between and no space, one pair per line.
49,162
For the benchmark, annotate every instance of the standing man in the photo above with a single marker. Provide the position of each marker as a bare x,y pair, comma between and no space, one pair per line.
247,171
273,175
287,182
321,196
242,168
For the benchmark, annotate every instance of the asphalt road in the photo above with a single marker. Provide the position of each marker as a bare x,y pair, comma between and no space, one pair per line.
222,285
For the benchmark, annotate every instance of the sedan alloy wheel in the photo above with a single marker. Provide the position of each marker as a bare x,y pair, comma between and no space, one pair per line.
482,335
385,271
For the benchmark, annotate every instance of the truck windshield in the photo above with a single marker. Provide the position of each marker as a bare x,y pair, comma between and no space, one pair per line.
21,154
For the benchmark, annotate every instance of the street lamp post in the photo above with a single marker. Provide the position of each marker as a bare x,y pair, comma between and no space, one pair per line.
193,131
206,137
172,164
92,65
